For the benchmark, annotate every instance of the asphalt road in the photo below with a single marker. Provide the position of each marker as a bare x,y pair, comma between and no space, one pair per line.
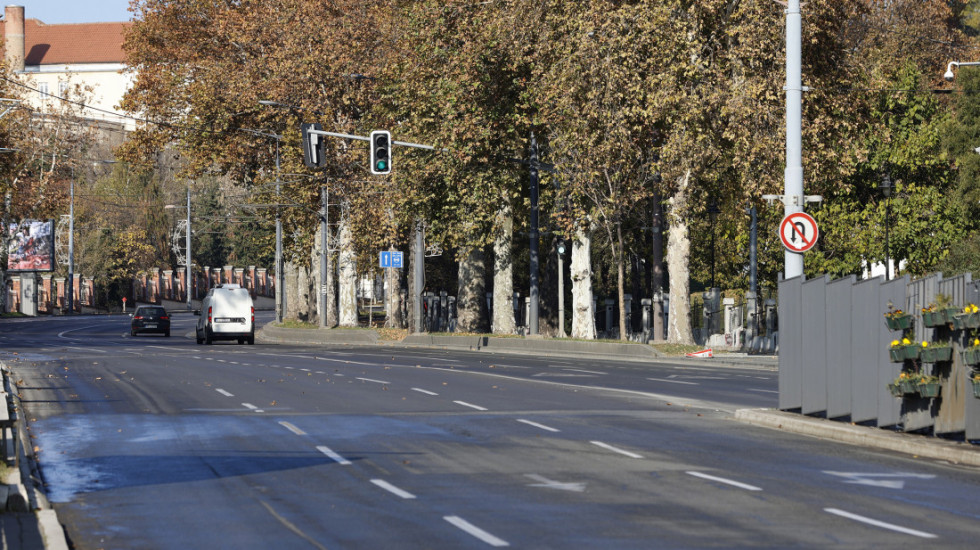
155,442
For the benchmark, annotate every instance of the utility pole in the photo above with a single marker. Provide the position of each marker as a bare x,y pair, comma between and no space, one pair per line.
793,198
418,278
70,298
187,273
280,294
324,253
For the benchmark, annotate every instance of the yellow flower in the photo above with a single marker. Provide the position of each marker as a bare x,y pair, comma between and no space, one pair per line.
974,308
976,341
906,341
896,342
925,344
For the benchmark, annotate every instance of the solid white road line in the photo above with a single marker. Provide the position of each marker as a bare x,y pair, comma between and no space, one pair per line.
252,407
373,380
763,391
470,405
476,531
392,489
745,486
674,381
336,457
615,449
426,392
224,393
536,425
291,427
876,523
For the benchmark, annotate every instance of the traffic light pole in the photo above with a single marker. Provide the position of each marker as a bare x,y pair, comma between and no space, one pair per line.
368,138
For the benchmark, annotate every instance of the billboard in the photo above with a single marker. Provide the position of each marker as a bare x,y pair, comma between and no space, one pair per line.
31,246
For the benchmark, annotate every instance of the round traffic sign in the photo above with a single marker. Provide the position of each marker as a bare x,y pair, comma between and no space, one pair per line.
799,232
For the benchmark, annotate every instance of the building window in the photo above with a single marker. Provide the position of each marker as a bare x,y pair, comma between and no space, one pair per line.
42,90
62,88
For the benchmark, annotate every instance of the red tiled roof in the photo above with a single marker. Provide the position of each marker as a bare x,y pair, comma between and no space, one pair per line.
72,43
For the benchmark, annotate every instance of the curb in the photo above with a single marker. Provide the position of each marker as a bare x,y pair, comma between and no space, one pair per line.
270,333
916,445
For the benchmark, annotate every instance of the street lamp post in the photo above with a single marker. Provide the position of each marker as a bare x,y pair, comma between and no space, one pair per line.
189,282
886,190
70,298
561,288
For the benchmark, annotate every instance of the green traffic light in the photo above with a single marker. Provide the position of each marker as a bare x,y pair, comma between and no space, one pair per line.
381,165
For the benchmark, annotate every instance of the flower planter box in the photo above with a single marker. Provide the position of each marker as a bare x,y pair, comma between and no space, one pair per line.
895,390
976,389
939,317
912,351
929,390
899,322
966,320
897,354
908,387
971,356
933,354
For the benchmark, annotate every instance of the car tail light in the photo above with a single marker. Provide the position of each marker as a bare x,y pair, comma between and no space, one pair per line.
209,315
165,318
138,317
253,315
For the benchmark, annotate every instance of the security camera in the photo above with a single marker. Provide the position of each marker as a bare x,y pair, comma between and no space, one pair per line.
949,71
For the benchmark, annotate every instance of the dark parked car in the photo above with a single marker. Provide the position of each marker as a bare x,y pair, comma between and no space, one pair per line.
150,319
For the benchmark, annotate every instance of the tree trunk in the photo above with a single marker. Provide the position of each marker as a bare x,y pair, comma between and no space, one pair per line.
347,275
657,269
290,291
621,282
583,317
503,271
470,296
678,256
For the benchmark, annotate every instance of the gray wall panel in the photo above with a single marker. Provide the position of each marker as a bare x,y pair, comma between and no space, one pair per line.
866,321
839,360
814,345
889,407
790,339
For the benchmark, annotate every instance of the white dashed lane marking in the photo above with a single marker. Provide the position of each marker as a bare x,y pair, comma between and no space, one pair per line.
392,489
476,531
536,425
615,449
738,484
336,457
470,405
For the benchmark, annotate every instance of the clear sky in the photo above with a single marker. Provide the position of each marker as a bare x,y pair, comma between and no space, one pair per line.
74,11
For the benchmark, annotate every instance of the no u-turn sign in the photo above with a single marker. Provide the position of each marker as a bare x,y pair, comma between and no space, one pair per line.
799,232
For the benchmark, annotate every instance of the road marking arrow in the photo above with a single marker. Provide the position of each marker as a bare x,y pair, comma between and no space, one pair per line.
577,487
888,481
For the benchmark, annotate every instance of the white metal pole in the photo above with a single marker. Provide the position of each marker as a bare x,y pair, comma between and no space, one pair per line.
189,283
793,198
70,298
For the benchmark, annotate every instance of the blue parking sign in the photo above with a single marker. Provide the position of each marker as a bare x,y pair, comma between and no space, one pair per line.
396,260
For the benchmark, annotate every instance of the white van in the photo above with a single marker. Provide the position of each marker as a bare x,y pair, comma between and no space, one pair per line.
227,313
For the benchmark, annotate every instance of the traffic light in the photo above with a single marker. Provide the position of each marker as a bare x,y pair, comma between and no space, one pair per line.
380,152
314,147
561,246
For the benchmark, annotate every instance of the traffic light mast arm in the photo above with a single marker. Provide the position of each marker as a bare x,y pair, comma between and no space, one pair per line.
368,138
